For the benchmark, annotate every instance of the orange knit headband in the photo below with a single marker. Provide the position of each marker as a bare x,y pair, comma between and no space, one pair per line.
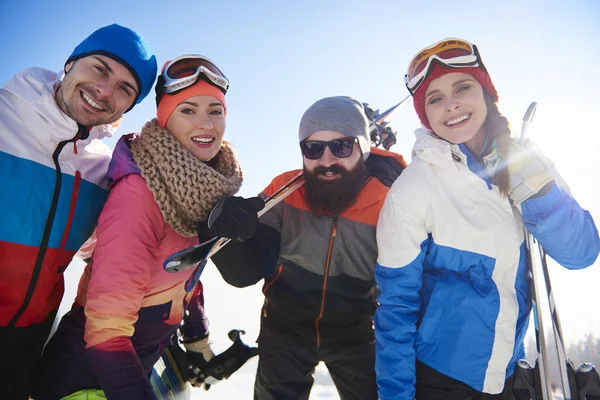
169,102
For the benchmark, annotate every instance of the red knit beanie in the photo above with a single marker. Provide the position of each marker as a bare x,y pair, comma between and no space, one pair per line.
438,70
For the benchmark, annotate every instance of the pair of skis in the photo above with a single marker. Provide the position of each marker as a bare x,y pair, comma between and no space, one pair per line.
197,256
533,382
381,133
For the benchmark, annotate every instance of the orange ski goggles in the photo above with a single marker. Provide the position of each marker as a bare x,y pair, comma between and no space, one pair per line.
452,52
184,71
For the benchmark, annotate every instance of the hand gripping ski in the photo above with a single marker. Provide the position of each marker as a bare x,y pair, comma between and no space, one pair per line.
197,256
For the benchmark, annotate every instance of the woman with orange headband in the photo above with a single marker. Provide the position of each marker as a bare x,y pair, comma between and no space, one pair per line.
455,297
164,183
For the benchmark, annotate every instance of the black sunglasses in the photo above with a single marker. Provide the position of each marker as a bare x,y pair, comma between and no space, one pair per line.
340,148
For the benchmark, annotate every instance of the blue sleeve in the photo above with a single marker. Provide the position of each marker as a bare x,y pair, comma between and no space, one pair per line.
565,230
396,327
402,242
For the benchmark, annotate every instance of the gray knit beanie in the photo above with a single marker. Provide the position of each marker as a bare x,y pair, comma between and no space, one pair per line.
341,114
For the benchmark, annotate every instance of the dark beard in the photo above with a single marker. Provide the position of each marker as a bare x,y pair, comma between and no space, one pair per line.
333,197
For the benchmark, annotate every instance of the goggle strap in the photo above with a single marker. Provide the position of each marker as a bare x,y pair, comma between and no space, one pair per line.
182,83
429,69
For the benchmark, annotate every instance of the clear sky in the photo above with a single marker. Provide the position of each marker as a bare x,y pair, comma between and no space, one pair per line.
281,56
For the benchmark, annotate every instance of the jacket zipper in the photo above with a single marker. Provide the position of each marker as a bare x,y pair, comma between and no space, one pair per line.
82,133
72,206
327,262
267,286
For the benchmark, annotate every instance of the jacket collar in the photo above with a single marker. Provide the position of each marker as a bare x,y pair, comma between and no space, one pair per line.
37,88
437,151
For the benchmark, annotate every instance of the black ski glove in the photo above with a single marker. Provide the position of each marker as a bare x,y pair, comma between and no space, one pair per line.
204,233
235,217
223,365
199,355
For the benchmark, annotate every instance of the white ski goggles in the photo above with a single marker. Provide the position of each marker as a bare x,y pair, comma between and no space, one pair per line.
452,52
184,71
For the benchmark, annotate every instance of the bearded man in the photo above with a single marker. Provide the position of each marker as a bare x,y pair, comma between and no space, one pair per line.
316,251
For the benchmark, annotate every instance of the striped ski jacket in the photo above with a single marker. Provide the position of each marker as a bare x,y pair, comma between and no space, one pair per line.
53,188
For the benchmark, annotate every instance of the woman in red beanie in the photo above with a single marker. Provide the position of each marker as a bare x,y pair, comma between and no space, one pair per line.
164,183
455,297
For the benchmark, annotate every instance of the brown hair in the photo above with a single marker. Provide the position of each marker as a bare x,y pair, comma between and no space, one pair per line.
497,127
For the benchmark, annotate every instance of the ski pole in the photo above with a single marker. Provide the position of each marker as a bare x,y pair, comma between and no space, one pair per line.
540,339
568,380
189,257
271,201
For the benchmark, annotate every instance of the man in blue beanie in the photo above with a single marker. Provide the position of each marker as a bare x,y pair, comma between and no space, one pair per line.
54,183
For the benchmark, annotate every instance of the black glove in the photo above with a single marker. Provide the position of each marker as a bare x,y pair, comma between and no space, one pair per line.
204,233
235,217
198,354
223,365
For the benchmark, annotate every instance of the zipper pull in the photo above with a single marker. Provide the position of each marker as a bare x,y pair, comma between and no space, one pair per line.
82,133
334,228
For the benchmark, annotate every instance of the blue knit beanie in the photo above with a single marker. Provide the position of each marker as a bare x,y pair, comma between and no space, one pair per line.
127,48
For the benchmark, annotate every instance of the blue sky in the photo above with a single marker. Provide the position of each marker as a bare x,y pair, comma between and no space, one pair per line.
281,56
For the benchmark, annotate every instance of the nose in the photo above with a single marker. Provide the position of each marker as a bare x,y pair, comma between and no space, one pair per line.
203,121
327,159
451,104
104,89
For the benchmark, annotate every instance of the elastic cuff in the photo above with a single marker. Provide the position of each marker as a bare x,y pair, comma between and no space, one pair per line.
541,206
192,339
200,346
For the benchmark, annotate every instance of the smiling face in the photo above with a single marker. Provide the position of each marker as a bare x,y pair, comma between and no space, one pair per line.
198,123
456,110
96,90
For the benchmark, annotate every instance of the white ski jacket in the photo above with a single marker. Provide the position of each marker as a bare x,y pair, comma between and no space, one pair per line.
452,270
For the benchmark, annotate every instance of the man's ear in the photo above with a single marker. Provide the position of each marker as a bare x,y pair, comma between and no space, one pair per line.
68,66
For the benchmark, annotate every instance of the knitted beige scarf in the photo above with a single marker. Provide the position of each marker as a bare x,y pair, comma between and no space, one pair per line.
185,188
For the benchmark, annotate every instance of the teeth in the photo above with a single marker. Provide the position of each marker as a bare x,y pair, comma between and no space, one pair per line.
457,119
203,139
91,102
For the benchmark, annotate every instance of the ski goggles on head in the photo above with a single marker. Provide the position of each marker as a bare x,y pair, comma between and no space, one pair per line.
452,52
340,148
184,71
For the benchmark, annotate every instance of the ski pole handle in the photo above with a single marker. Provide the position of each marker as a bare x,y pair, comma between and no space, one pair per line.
527,119
588,382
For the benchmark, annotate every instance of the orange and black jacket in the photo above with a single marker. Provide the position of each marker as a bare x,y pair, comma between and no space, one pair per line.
318,270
